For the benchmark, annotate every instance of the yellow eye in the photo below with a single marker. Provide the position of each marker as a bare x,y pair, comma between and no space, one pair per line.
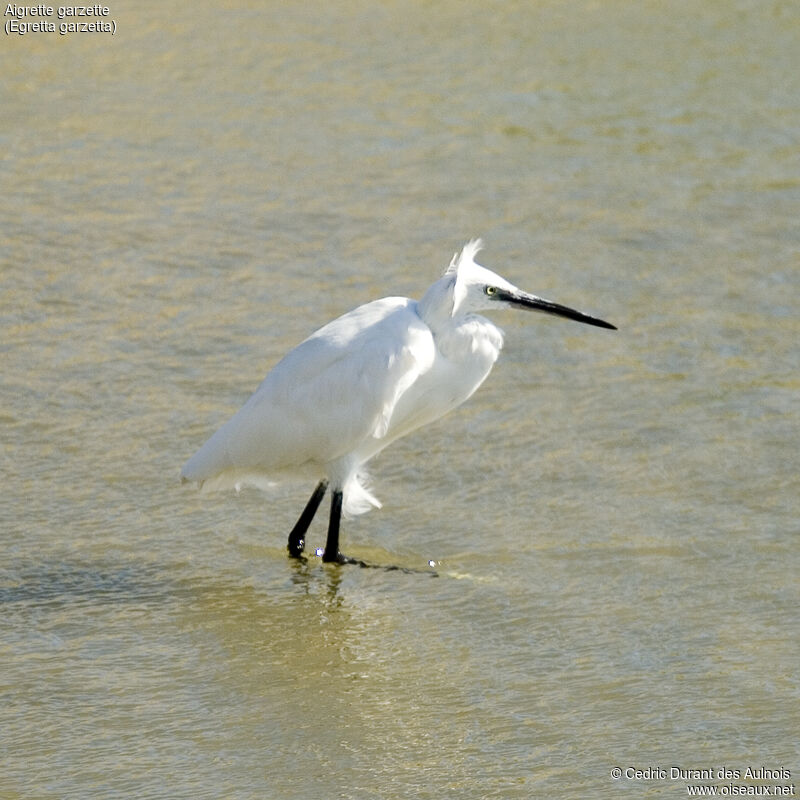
490,290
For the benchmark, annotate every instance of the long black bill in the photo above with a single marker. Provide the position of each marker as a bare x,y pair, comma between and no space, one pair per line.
534,303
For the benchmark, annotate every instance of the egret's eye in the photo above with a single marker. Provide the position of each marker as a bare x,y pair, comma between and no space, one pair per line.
490,290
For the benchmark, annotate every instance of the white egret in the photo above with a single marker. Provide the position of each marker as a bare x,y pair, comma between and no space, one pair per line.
369,377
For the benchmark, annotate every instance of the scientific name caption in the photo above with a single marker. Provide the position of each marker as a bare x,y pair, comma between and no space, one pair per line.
63,20
715,782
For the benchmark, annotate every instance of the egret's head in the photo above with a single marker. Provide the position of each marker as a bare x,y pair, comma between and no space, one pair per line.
475,288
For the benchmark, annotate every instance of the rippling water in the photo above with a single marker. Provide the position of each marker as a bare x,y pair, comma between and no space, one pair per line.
613,518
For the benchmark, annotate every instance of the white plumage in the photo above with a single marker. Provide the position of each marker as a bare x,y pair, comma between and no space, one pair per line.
360,382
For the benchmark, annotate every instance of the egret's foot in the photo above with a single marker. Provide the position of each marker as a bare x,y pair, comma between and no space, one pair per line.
296,547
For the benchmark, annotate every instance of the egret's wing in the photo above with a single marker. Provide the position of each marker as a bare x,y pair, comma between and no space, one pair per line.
325,398
412,356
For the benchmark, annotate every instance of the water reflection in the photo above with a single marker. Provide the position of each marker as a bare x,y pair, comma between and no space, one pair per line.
305,574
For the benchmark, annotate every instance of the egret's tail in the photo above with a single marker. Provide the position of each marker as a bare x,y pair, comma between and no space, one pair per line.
230,479
357,498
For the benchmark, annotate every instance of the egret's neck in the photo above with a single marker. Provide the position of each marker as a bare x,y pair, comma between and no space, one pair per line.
463,337
436,306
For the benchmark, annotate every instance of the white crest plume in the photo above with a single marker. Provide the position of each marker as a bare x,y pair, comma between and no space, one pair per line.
466,256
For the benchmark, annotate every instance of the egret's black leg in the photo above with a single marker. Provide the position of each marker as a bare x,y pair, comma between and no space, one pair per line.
332,543
297,537
332,553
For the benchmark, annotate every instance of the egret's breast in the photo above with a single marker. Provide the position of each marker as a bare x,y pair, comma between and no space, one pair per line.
464,356
474,342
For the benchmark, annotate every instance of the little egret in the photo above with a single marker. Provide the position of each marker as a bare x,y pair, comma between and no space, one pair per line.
369,377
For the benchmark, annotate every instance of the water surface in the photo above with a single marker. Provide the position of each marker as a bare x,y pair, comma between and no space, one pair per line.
613,517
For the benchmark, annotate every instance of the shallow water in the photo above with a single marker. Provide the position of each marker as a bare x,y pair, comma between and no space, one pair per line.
612,518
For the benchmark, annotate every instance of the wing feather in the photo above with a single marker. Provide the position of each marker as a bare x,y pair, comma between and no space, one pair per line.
324,398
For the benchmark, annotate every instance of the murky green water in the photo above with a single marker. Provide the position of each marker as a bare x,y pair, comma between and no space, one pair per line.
613,517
